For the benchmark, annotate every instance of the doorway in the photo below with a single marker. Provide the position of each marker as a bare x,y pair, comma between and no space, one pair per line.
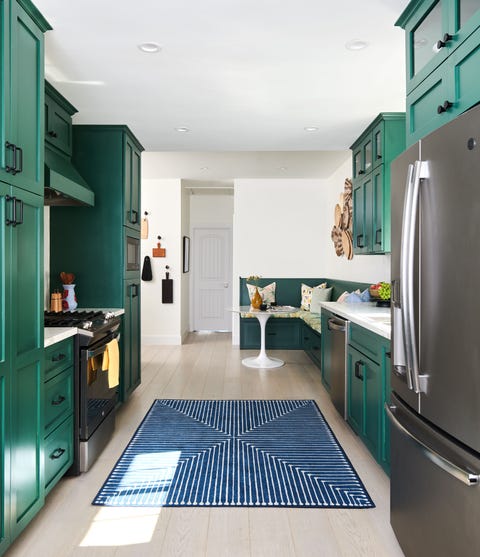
212,278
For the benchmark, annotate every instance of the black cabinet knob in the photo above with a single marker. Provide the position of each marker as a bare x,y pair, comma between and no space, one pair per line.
446,38
444,107
51,133
361,172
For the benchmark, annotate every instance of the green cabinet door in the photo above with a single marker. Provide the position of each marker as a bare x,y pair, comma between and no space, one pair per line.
131,338
132,184
26,297
385,422
326,351
381,206
5,358
58,120
23,89
354,390
465,69
372,397
362,215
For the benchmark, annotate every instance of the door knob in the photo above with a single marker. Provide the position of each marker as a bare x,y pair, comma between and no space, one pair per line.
225,285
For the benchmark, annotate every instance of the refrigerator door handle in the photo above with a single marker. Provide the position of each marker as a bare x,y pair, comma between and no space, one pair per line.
412,194
451,468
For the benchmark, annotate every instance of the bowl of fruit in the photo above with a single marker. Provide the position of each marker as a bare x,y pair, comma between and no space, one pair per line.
381,293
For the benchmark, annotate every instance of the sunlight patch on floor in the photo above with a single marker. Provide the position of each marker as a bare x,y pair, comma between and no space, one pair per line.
122,526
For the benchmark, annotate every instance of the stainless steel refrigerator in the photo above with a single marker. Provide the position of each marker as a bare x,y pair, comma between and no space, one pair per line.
435,404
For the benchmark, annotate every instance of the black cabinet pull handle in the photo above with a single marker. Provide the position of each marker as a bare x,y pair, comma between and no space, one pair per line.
58,357
361,172
19,218
444,107
57,453
446,38
360,241
378,241
9,199
13,148
358,365
52,133
58,400
379,157
134,290
20,158
271,334
388,354
134,219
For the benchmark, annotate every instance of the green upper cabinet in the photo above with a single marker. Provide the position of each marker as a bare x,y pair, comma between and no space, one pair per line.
442,61
22,95
132,183
372,154
58,120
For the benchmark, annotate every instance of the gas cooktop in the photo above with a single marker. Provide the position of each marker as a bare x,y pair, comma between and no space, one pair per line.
88,322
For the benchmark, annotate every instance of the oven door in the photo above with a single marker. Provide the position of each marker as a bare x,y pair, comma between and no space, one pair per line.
97,399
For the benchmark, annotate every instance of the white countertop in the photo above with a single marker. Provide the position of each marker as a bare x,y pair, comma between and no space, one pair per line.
365,314
52,335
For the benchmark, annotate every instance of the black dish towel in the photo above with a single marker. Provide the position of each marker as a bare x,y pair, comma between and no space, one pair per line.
147,269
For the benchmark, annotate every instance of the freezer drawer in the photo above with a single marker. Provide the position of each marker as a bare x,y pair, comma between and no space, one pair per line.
435,495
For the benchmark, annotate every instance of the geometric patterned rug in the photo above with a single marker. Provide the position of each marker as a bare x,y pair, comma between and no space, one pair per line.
252,453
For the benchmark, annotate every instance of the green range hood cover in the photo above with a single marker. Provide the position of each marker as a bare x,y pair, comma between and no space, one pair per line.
63,183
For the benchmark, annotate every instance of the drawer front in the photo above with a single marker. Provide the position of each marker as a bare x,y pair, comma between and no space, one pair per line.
58,357
58,452
365,342
58,399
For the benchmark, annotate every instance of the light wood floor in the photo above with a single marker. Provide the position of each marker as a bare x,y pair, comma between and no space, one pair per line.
209,367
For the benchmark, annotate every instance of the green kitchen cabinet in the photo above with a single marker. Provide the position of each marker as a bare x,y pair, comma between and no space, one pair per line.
58,120
58,411
368,388
326,351
442,60
132,183
372,154
22,95
131,338
21,368
280,333
93,242
312,344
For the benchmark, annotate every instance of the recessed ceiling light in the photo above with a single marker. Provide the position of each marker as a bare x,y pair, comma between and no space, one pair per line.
182,130
311,129
283,168
151,48
356,44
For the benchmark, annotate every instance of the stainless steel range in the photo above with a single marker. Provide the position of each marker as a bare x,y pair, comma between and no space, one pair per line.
95,399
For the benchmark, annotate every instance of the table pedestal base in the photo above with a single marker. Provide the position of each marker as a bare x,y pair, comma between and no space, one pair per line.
262,361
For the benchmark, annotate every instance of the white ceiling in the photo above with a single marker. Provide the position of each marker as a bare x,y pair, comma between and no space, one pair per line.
242,75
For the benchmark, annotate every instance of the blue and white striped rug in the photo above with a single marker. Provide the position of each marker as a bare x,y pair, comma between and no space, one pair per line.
262,453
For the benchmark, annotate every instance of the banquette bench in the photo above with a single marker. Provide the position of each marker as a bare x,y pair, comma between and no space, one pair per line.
299,330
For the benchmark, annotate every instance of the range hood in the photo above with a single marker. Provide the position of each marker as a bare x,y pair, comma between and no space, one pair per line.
63,183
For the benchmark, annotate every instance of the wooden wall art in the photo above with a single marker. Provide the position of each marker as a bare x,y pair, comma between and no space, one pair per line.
342,229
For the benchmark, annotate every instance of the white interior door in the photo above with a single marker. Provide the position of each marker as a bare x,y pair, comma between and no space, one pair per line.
212,279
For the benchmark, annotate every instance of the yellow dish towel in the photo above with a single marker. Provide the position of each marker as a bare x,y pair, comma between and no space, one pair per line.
111,363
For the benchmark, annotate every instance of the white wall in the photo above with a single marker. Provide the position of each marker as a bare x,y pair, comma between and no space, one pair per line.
162,199
282,229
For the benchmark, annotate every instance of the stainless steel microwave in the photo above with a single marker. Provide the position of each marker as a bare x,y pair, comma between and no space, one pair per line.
133,254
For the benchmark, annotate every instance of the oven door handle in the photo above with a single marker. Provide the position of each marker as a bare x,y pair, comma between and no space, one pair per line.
101,349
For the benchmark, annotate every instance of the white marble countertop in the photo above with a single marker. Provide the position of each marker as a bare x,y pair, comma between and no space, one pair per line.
365,314
52,335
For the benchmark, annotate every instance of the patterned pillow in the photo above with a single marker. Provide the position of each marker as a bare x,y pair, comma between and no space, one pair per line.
320,295
307,295
267,292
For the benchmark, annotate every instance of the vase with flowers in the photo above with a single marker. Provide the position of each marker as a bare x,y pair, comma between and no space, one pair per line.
256,299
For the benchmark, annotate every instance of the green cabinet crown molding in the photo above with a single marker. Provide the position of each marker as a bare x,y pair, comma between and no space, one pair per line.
37,17
113,127
59,99
408,13
385,116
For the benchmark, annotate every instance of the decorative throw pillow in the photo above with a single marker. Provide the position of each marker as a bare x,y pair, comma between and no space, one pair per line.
266,292
343,297
307,295
320,295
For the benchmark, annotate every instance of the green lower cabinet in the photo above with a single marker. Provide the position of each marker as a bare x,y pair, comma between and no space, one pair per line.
312,344
4,465
326,351
368,387
280,333
130,339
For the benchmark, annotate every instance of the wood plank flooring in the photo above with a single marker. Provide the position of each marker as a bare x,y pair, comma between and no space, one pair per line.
208,367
